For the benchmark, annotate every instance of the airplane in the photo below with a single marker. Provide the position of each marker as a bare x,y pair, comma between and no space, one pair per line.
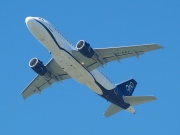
82,62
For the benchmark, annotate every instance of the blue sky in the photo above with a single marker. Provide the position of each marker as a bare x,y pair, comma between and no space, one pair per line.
71,108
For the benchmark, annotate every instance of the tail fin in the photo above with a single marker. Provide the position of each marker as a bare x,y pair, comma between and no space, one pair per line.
127,87
135,100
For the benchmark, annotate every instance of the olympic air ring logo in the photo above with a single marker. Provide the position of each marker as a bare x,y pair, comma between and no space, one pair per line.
130,87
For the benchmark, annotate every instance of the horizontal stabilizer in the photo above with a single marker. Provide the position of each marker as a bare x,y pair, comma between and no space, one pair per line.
135,100
112,109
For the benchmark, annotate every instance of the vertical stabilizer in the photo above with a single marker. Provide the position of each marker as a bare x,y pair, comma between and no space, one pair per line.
127,87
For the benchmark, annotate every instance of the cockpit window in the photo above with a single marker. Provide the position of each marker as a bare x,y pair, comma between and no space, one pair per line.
41,19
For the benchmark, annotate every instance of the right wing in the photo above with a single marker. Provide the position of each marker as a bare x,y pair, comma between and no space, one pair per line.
118,53
107,55
39,83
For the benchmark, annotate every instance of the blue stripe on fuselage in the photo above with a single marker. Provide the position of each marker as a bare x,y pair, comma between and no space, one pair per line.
109,95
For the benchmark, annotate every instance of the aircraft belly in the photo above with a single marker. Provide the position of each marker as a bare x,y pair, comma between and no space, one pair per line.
49,44
77,72
94,87
67,62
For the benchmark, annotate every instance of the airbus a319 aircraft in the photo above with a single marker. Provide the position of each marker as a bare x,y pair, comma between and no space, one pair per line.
81,63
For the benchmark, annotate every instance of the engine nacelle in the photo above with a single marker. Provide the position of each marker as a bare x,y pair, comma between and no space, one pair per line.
85,49
39,67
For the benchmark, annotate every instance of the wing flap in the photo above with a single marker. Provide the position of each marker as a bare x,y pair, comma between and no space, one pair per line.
112,109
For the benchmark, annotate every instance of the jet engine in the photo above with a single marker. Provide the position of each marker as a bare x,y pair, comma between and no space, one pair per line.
39,67
85,49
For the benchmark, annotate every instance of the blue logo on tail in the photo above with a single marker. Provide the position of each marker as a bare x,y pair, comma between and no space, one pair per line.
127,87
130,87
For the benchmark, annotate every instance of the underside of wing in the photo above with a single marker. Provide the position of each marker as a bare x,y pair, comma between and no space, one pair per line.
114,54
118,53
39,83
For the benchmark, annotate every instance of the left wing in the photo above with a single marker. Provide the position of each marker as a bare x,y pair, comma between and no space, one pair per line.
114,53
39,83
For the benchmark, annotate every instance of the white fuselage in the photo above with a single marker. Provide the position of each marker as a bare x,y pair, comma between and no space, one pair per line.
61,50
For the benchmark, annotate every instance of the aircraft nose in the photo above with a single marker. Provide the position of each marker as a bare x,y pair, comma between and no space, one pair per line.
29,20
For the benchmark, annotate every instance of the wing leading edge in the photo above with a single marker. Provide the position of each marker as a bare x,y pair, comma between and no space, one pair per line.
39,83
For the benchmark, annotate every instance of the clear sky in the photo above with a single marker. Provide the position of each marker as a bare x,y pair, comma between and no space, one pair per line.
71,108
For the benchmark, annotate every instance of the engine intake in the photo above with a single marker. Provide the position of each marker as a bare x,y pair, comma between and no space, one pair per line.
39,67
85,49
